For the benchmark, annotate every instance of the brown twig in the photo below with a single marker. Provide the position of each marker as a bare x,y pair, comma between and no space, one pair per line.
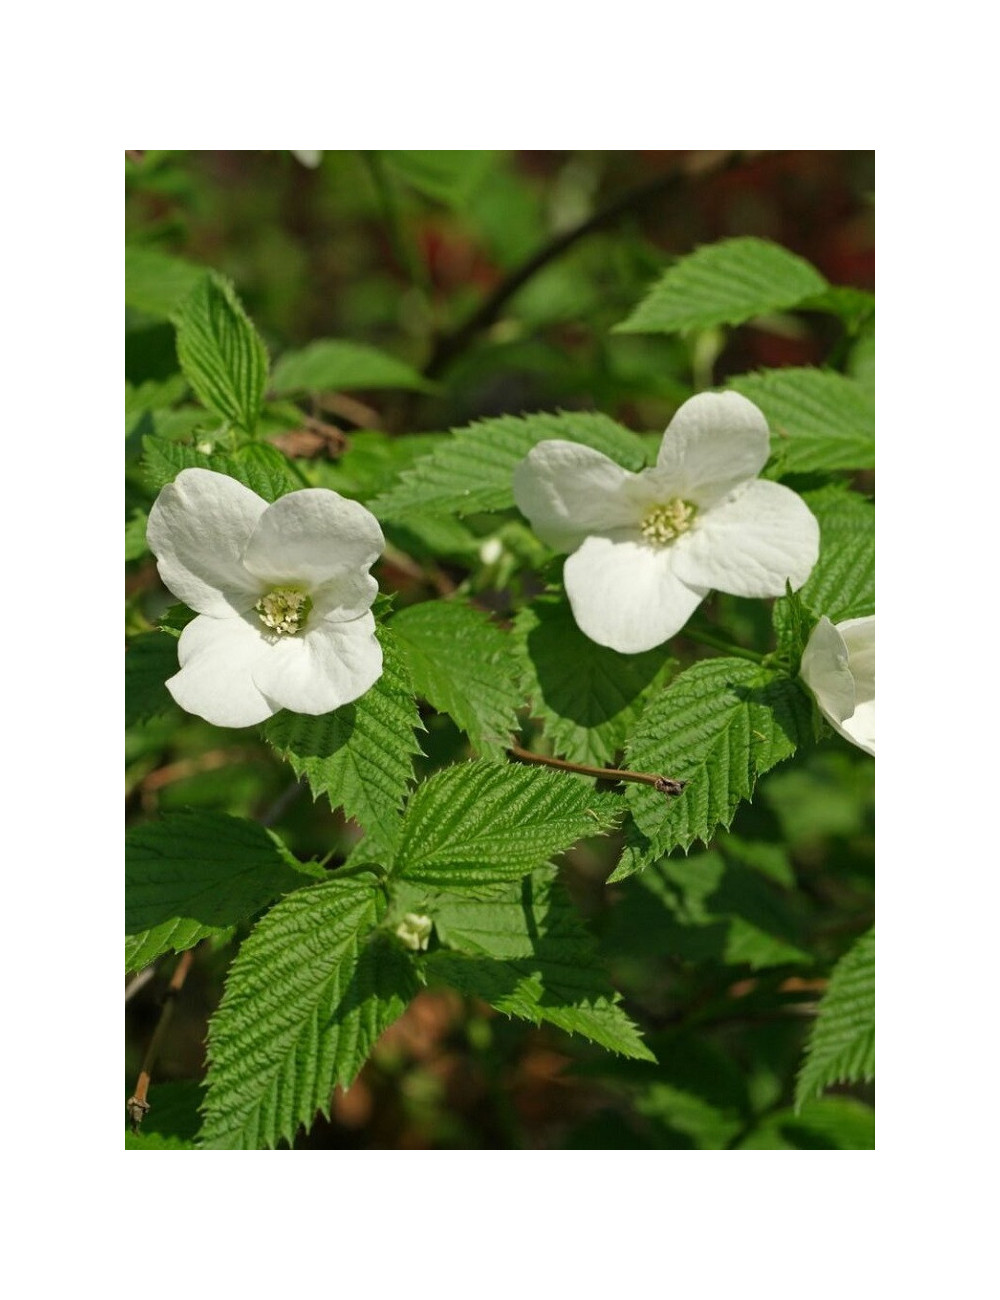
137,1105
663,784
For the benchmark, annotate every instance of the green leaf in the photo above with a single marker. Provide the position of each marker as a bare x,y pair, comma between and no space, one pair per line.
172,1121
157,283
258,465
718,726
372,461
473,469
221,353
135,536
449,176
522,948
709,907
460,663
360,755
842,584
307,997
587,696
193,874
150,659
477,823
819,420
829,1124
337,365
855,307
841,1047
724,284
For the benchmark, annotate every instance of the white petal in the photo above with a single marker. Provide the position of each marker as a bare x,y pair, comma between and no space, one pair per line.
218,657
328,665
625,595
859,637
715,442
198,529
344,597
567,491
751,543
859,728
311,536
826,672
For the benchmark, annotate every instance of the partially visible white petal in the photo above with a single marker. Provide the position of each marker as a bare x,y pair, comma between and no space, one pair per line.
826,672
328,665
625,594
218,657
859,637
859,728
715,442
751,543
311,536
198,529
567,491
344,597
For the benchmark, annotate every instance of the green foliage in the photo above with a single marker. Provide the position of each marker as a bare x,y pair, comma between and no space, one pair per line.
472,470
718,727
158,283
150,659
460,663
587,696
830,1124
258,465
819,420
172,1121
360,755
449,176
135,536
307,996
841,1047
221,353
192,875
476,823
711,907
522,948
725,284
337,365
842,585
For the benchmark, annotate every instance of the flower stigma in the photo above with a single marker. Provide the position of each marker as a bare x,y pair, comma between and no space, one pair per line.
284,610
664,523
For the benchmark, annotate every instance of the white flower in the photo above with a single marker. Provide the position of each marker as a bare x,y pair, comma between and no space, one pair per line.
647,548
282,592
308,157
838,666
415,931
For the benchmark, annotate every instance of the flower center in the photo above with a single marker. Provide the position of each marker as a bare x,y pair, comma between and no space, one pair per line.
284,610
665,523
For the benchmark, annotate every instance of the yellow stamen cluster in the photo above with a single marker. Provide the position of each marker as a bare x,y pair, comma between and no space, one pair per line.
284,610
665,523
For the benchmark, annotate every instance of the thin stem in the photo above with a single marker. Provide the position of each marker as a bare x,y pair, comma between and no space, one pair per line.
720,643
137,1105
404,253
664,784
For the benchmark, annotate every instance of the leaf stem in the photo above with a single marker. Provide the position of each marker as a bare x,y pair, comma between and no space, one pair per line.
137,1105
720,643
664,784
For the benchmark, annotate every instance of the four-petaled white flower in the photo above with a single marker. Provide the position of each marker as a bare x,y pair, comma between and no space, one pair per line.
282,592
646,549
838,666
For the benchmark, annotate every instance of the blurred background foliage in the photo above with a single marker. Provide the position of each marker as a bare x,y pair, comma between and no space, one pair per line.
494,279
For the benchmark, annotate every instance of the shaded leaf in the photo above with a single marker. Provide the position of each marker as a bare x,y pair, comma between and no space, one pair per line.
156,282
588,697
339,365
